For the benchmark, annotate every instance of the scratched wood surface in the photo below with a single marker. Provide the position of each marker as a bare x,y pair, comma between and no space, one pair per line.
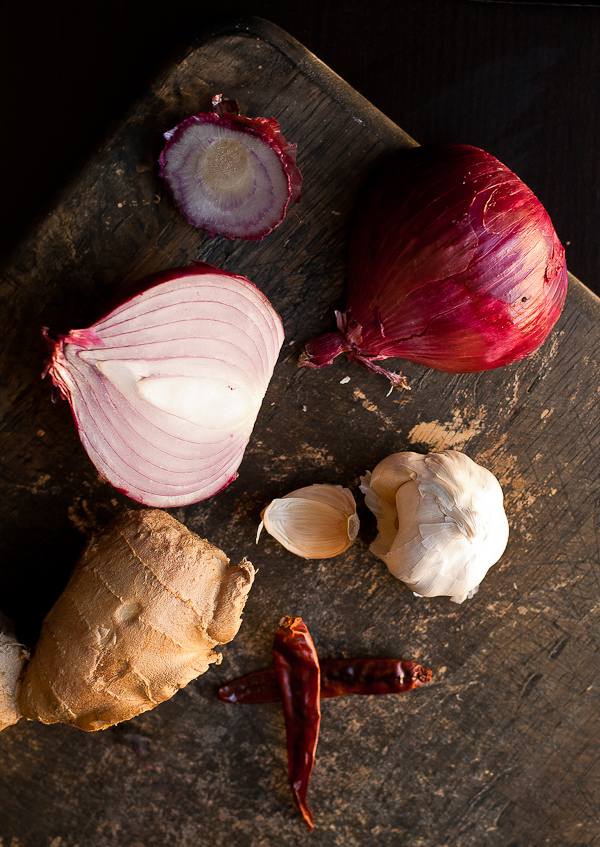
503,747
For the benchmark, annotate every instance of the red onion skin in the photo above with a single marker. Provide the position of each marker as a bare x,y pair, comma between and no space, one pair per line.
218,461
267,129
454,263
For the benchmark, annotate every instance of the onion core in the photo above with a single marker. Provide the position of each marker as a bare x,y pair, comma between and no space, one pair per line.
166,388
454,263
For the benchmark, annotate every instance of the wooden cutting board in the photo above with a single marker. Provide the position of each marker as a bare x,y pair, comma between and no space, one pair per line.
502,748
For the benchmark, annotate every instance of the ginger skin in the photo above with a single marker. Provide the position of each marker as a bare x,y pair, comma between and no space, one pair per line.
145,605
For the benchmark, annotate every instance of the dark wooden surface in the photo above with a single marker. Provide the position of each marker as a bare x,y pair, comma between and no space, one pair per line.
518,79
503,748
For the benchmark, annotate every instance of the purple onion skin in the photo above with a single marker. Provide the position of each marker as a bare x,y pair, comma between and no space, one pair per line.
454,263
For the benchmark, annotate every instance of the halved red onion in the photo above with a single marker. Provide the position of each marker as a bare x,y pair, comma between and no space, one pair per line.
166,388
228,174
454,263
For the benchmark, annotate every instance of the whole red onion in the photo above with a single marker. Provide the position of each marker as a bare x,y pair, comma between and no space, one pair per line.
454,263
165,389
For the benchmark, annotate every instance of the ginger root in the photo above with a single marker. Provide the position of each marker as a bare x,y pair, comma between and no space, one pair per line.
139,618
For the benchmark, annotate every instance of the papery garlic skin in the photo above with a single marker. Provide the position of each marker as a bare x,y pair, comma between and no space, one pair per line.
440,519
13,657
315,522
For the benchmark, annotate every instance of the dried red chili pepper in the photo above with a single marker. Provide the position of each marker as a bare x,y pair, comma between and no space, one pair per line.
300,682
339,677
299,678
371,676
258,687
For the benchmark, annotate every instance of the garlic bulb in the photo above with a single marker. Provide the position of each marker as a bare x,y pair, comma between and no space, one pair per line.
315,522
12,661
440,519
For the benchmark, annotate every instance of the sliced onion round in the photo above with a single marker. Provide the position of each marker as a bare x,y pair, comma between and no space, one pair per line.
166,388
229,174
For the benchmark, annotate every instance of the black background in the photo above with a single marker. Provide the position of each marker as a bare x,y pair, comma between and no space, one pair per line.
520,80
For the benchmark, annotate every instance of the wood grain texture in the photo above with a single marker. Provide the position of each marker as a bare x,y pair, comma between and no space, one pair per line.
503,747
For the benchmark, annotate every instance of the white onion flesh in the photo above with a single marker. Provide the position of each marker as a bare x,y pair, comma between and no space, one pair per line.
165,389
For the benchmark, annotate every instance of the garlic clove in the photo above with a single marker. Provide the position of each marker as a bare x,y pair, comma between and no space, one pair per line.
315,522
440,519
